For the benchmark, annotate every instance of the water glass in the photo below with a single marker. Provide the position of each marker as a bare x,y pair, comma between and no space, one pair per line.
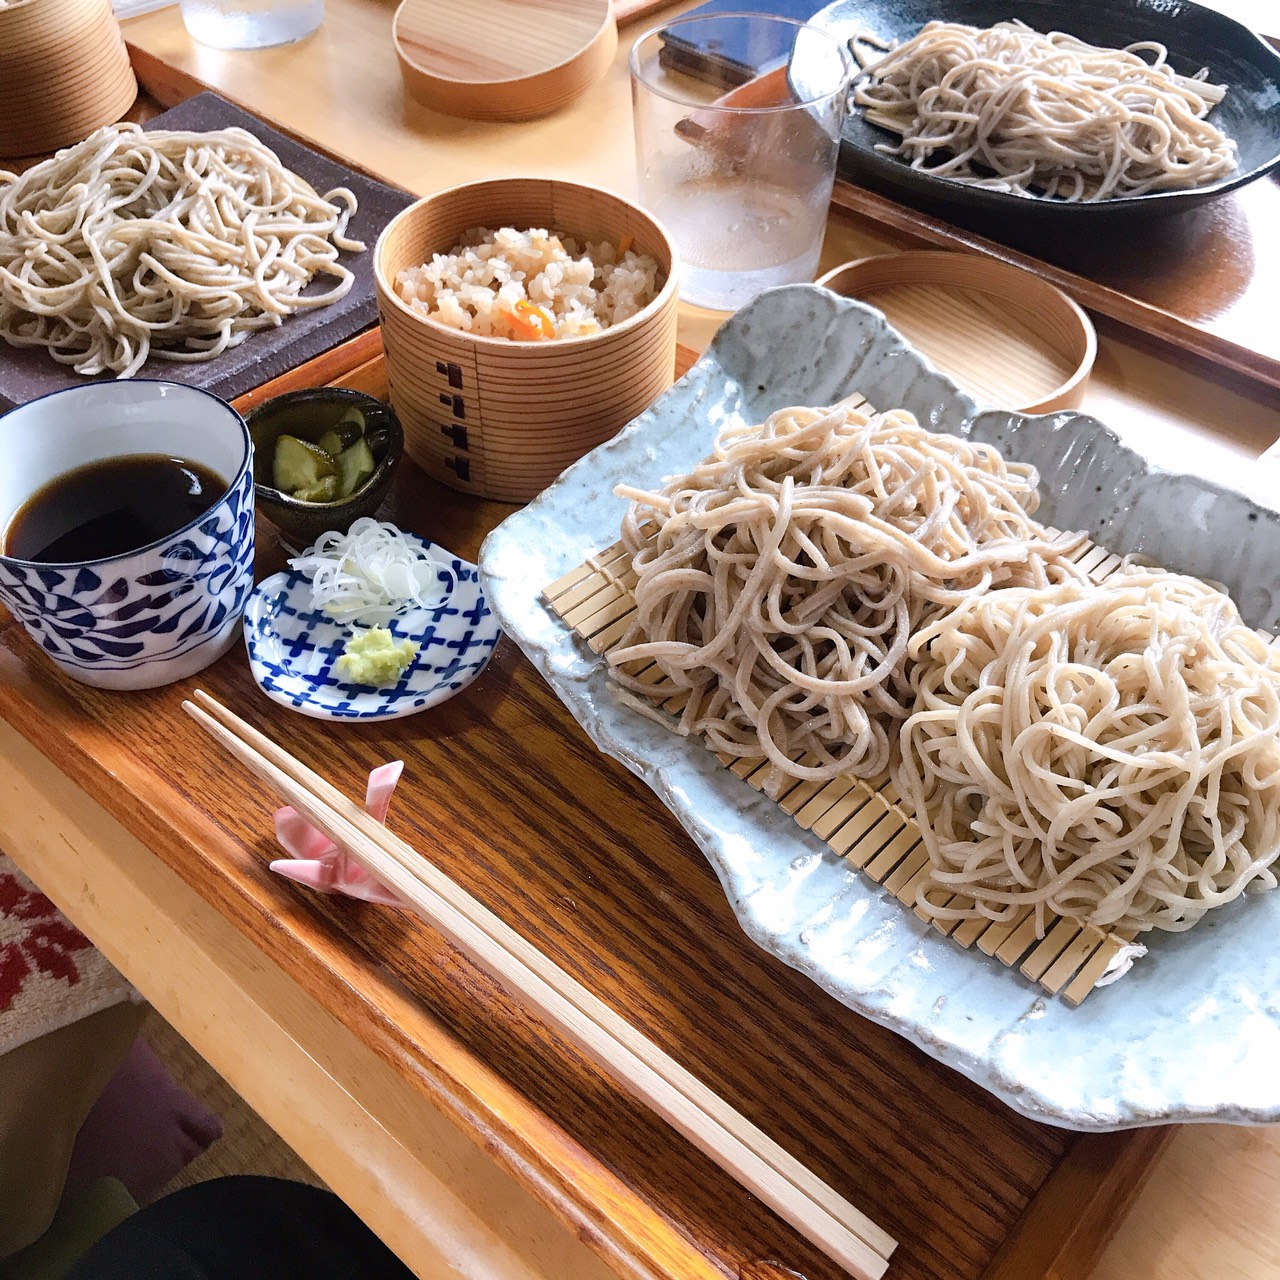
737,123
250,24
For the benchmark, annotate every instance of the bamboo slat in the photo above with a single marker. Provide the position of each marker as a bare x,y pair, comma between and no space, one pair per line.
864,825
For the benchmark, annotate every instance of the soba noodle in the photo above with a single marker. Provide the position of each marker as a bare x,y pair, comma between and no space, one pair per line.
1110,753
1009,109
181,244
791,567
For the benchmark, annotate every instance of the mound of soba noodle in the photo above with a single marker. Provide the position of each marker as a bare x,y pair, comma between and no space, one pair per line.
175,243
1107,752
791,567
1010,109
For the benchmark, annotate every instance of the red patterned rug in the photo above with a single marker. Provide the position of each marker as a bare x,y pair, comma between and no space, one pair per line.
50,973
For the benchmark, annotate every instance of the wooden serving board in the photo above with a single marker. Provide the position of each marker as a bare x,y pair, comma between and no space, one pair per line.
339,337
506,793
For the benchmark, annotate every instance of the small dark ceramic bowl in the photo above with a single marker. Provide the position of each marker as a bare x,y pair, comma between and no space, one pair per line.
308,415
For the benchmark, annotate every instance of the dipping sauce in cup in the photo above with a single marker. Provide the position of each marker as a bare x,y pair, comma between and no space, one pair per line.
126,529
111,507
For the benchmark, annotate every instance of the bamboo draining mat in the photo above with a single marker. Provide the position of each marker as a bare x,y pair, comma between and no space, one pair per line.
866,827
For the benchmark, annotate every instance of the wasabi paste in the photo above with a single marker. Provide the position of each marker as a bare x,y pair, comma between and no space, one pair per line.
374,657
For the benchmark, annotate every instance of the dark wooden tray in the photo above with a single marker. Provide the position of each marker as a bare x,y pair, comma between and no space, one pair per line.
507,794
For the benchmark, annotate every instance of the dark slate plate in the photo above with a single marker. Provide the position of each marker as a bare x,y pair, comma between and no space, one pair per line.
1195,37
29,372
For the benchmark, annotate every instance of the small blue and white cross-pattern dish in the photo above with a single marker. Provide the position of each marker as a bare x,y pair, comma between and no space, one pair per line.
293,647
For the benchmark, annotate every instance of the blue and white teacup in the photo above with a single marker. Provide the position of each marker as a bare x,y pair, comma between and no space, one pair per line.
167,610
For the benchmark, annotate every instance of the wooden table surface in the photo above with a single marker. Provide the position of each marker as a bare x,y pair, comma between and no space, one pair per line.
1207,1210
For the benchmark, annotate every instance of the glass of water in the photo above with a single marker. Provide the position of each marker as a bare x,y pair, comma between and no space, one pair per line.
250,24
737,120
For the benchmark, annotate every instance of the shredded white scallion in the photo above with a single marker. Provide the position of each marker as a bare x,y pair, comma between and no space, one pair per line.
370,573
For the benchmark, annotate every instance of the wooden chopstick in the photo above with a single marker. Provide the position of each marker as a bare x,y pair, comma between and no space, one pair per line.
631,1059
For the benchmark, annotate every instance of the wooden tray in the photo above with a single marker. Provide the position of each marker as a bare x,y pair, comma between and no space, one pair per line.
1203,283
632,910
506,793
1204,280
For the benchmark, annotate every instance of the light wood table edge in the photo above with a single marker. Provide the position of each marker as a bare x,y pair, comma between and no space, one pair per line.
626,11
438,1199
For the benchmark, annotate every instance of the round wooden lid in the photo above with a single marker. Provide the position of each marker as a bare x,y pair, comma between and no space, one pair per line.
1004,335
502,59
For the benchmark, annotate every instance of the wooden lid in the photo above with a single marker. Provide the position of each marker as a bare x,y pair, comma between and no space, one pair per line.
1006,336
64,71
502,59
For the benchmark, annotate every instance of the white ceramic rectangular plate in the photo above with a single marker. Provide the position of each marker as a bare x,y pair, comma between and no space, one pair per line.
1192,1032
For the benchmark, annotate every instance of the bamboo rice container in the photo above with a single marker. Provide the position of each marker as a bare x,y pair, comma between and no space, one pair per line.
1006,336
64,72
500,418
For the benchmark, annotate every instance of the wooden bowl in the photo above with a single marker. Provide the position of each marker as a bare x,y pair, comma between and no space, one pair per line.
500,418
1004,335
502,59
64,72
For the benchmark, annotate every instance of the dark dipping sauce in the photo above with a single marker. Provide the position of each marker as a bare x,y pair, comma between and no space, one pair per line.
110,508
